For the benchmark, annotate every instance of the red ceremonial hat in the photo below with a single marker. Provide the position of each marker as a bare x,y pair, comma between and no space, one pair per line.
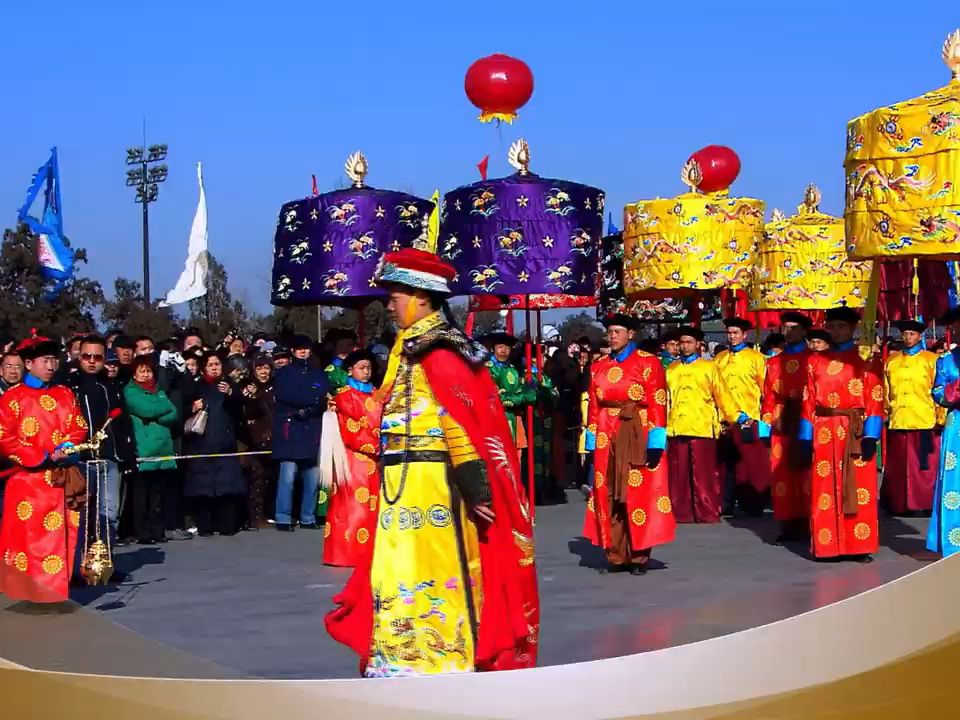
37,346
417,269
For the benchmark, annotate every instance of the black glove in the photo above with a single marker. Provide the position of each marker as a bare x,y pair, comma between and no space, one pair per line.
765,441
654,455
868,448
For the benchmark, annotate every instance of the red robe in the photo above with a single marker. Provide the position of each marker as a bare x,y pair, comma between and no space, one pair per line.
38,533
352,512
785,380
510,617
639,378
841,380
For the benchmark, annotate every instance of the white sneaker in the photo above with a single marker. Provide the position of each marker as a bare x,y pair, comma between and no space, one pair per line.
193,530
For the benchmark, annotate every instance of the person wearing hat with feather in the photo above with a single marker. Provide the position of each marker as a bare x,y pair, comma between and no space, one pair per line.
841,421
780,410
699,402
448,580
744,461
38,423
629,512
913,445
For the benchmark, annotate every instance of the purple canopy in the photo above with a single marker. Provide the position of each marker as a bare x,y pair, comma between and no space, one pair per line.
327,247
522,235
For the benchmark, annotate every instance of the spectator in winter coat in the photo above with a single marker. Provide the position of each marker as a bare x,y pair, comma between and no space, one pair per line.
301,395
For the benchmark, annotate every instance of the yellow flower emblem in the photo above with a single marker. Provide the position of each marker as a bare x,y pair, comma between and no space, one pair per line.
48,403
792,366
635,392
52,564
52,521
363,535
368,449
824,537
80,422
861,531
638,517
598,479
664,505
370,405
635,478
950,461
953,537
824,436
371,467
840,432
613,412
855,387
326,530
835,367
590,504
614,374
660,397
863,496
780,489
824,502
16,460
777,451
373,503
322,497
57,437
823,468
833,400
20,561
602,440
48,477
14,405
951,500
29,426
646,373
352,425
362,495
73,517
24,510
777,386
877,393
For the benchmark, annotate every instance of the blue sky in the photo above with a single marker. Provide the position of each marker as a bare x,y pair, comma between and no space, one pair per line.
267,93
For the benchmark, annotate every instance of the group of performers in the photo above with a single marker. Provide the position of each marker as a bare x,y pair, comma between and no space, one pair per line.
430,508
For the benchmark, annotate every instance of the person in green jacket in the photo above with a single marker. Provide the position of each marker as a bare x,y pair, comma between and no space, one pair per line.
514,393
152,416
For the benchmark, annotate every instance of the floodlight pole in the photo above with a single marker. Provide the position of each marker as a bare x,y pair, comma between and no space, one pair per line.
145,181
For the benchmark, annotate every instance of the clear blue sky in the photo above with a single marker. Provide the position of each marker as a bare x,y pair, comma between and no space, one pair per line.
267,93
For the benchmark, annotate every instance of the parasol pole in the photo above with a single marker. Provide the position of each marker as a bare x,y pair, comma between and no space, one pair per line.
528,350
319,325
471,321
869,324
539,357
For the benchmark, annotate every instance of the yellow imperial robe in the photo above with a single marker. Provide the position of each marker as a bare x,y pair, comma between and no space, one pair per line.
699,400
909,390
425,575
743,373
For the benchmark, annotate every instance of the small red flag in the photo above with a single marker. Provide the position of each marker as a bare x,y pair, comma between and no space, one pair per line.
316,191
482,167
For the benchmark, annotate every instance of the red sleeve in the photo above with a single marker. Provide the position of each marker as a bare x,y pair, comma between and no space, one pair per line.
656,381
809,404
350,414
873,390
768,400
29,454
593,408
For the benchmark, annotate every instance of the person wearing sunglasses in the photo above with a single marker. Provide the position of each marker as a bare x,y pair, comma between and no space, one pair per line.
97,395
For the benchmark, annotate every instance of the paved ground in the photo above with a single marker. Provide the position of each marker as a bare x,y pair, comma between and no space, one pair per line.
253,604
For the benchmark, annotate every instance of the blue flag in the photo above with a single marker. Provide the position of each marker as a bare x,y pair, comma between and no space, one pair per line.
611,228
54,255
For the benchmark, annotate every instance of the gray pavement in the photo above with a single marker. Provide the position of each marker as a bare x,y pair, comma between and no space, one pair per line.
253,604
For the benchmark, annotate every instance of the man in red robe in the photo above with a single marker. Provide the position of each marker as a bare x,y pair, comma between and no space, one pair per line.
630,510
779,424
505,626
39,531
842,418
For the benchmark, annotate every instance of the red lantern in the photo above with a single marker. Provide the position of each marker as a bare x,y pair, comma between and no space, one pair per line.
499,85
714,168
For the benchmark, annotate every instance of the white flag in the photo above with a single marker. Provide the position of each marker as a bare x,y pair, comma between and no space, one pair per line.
193,280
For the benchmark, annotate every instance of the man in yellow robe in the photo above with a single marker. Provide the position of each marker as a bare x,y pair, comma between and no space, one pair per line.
744,462
450,583
699,400
913,445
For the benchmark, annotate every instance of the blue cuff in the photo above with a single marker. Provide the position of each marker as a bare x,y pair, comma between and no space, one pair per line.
657,438
806,430
742,418
589,441
763,429
873,427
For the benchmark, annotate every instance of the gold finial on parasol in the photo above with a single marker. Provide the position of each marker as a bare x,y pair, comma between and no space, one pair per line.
777,216
691,175
356,168
811,201
951,53
519,156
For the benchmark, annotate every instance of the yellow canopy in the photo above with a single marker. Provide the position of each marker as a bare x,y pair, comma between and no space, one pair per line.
802,263
902,197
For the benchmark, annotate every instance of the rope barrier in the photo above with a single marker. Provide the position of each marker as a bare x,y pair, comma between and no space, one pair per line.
160,458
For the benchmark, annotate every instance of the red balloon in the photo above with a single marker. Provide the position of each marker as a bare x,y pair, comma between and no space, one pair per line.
719,167
499,85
